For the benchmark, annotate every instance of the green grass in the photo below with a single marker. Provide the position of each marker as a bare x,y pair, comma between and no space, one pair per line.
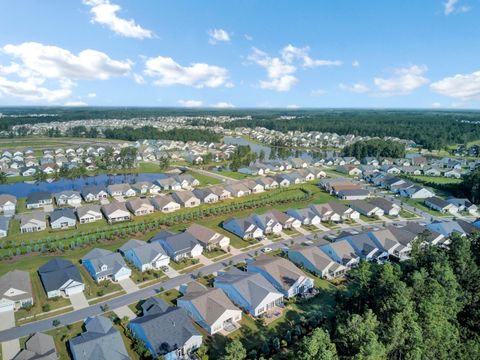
170,296
213,253
437,179
419,203
407,214
61,335
93,290
234,175
204,180
183,264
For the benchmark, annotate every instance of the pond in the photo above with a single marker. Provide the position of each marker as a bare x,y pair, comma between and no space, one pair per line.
22,189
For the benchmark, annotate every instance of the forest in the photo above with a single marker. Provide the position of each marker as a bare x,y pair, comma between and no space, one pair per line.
425,308
147,132
376,148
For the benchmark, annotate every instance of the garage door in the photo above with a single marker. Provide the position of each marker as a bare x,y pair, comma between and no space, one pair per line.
7,305
74,290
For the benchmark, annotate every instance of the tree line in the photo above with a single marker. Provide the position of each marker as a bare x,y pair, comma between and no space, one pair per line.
426,308
376,148
148,132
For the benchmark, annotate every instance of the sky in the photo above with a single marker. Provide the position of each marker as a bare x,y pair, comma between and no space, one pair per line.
241,53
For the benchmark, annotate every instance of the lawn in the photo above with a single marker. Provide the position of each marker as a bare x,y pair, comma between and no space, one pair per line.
234,175
204,180
187,262
93,290
170,296
407,214
419,203
61,335
437,179
214,253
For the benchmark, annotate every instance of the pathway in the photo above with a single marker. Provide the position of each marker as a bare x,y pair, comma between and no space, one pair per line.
12,347
128,285
78,300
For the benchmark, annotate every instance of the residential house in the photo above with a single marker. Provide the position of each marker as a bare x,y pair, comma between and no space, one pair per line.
208,238
268,183
100,340
452,173
206,195
395,241
165,331
245,228
210,308
365,208
15,291
342,252
165,204
287,221
63,218
104,264
365,247
68,197
350,170
416,192
140,207
267,223
89,213
4,225
60,277
39,199
441,205
145,256
8,204
463,205
238,189
316,261
254,186
388,207
93,193
282,274
33,221
250,291
353,194
39,346
186,199
120,190
116,212
221,192
180,246
305,216
146,187
169,183
448,227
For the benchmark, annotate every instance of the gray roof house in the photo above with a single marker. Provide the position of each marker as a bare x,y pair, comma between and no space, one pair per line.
164,203
116,212
186,198
15,290
145,256
100,341
68,197
208,238
89,213
140,207
181,246
63,218
316,261
250,291
34,221
7,204
165,331
93,193
60,277
245,228
38,199
38,347
105,265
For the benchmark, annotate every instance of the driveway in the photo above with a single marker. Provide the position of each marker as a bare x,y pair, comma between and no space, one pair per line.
125,311
78,300
171,272
284,236
321,227
128,285
302,230
12,347
204,260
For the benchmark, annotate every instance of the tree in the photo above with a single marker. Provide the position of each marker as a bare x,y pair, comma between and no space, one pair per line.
3,177
318,346
235,351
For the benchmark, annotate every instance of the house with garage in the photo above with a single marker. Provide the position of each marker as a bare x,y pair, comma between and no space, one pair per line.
116,212
350,170
186,181
221,192
120,190
39,346
165,203
440,205
93,193
145,256
206,195
33,221
208,238
244,228
210,308
165,331
388,207
282,274
238,190
342,252
416,192
104,265
452,173
68,197
15,291
268,183
146,187
7,204
326,212
39,199
365,247
267,223
283,180
180,246
305,216
254,186
140,206
431,171
316,261
63,218
89,213
366,208
250,291
448,227
393,240
464,205
353,194
169,183
186,199
60,277
285,220
100,340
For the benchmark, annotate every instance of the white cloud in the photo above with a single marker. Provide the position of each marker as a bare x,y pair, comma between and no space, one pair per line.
436,105
355,63
462,86
75,103
223,105
198,75
191,103
280,70
139,79
36,65
91,95
104,12
404,81
450,6
358,88
218,35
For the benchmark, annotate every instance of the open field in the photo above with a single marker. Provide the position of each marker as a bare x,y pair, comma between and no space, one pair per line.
40,143
437,179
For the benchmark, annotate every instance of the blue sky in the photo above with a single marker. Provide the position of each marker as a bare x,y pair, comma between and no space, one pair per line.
250,53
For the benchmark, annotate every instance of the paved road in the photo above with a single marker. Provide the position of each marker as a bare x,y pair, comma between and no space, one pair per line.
213,174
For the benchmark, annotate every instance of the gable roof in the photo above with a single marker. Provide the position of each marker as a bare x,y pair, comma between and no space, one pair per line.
18,280
62,212
57,272
282,270
38,347
145,252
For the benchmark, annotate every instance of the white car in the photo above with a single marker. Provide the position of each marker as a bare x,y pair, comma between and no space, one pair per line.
266,250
